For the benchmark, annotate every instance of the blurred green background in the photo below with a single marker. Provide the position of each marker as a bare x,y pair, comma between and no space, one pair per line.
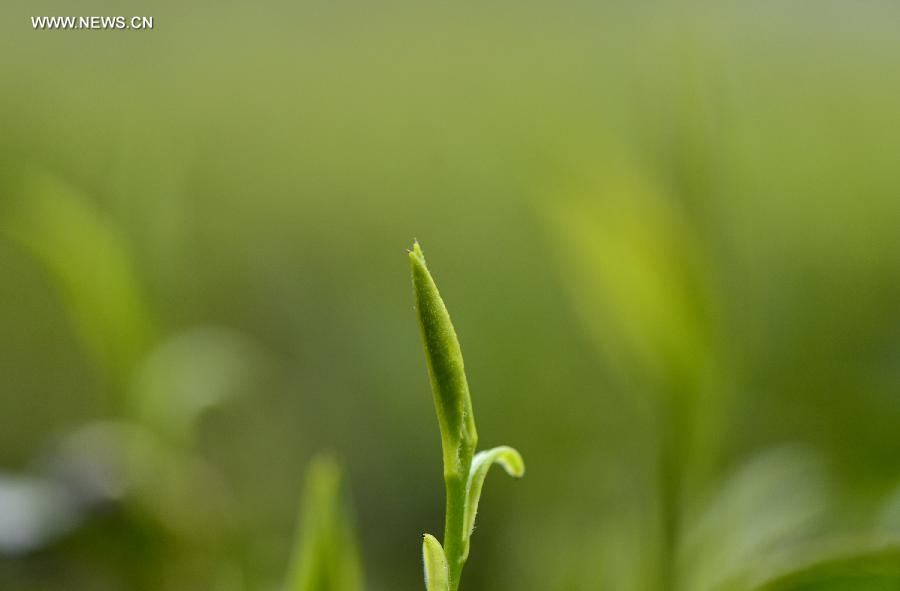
668,234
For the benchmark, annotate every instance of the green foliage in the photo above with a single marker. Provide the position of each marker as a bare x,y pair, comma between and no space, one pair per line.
464,471
860,565
768,507
326,556
445,369
189,373
639,285
437,577
509,459
723,185
88,259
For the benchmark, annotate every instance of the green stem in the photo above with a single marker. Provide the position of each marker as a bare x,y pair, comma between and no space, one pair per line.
458,435
454,526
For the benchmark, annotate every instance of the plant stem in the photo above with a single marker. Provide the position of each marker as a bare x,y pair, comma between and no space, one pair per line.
453,405
454,525
458,435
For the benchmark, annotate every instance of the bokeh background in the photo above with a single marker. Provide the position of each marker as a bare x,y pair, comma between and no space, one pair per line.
668,234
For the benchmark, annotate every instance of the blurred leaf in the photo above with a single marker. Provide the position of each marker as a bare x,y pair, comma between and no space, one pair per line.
637,278
641,284
189,373
626,547
888,519
102,464
770,505
33,512
863,565
89,261
326,556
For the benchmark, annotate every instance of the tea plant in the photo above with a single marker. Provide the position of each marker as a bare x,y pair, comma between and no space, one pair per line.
464,470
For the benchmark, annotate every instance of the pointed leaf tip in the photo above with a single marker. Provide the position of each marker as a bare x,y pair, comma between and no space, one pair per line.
416,252
445,367
437,577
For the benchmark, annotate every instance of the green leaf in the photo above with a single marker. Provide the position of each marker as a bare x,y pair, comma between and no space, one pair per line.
637,277
861,566
749,520
87,256
326,556
463,479
506,457
189,373
437,577
445,368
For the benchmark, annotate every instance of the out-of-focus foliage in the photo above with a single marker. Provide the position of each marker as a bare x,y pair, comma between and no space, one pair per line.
670,232
858,566
87,259
326,557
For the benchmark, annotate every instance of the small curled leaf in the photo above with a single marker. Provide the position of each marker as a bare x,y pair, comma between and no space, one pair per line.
508,458
437,576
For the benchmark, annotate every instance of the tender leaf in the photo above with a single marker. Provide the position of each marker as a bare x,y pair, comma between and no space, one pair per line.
445,367
437,577
505,456
326,557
